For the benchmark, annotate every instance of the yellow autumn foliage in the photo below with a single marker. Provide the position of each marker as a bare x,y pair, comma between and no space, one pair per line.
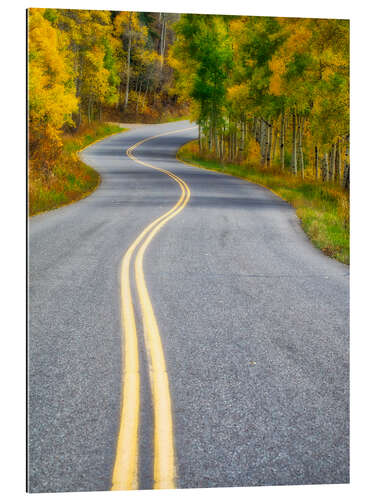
51,99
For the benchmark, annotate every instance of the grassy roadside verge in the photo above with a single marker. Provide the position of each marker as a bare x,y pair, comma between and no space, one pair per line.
323,210
71,179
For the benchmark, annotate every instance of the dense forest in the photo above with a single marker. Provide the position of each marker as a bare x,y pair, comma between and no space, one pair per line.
277,84
274,91
278,87
87,66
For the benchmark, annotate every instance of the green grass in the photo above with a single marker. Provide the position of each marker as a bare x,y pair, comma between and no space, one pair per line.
73,143
322,209
70,179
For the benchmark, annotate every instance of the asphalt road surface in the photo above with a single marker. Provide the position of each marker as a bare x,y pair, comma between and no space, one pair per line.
253,323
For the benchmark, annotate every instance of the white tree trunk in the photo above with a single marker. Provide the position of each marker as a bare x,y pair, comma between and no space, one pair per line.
242,140
162,40
325,168
294,150
346,176
282,142
269,140
332,162
338,163
128,63
316,162
273,155
262,141
300,147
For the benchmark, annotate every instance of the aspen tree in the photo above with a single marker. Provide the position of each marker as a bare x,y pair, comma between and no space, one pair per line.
52,100
323,169
282,141
294,144
346,175
332,162
316,162
300,148
289,73
130,37
338,162
276,133
326,167
269,143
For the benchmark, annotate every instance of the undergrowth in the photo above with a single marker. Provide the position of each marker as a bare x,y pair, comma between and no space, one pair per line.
70,179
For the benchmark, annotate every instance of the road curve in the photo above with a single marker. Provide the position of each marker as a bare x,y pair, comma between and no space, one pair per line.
253,322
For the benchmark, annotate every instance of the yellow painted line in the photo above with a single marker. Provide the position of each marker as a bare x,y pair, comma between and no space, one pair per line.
197,165
125,471
164,462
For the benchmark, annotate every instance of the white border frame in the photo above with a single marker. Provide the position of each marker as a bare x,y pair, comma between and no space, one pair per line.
12,185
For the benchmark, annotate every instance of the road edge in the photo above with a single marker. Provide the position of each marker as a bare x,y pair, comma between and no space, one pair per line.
300,221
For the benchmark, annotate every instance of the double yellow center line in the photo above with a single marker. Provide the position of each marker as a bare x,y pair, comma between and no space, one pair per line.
125,471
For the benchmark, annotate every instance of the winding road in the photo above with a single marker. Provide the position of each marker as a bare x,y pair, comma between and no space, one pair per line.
183,332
